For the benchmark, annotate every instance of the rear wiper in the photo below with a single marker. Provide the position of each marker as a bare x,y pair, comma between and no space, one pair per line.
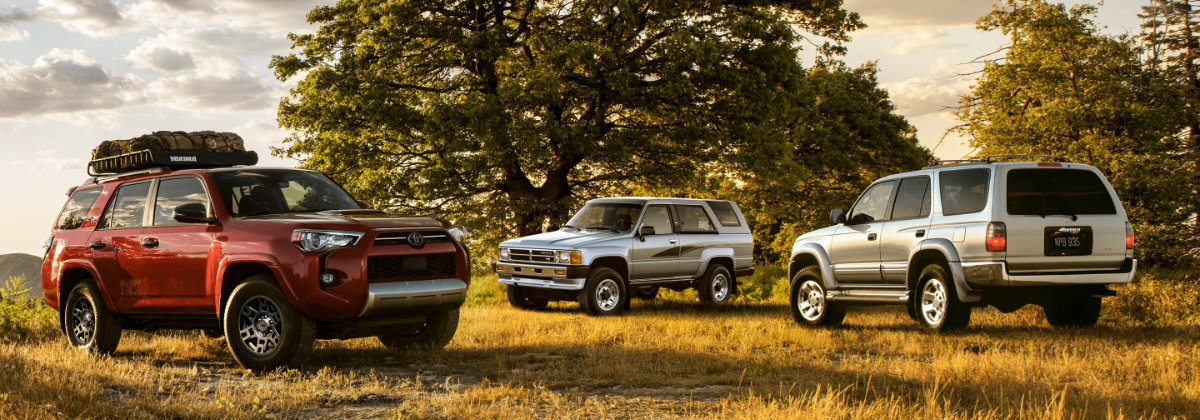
1073,217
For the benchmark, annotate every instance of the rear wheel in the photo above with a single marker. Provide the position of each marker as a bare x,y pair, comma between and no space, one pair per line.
262,330
519,297
645,292
89,324
937,304
1073,311
716,286
435,333
809,305
604,292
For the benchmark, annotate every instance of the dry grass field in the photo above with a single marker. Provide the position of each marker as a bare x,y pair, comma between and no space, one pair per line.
667,358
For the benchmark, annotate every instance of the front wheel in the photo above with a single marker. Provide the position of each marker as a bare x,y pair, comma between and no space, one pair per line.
435,333
809,305
936,303
89,324
262,330
716,286
604,292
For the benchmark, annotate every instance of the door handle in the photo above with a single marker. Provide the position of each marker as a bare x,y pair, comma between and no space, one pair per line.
672,241
97,245
921,233
871,236
150,243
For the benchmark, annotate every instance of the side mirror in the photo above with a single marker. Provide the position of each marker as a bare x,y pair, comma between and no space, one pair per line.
837,216
363,204
192,213
645,231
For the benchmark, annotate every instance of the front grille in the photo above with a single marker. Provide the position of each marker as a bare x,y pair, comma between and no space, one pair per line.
530,255
401,238
409,267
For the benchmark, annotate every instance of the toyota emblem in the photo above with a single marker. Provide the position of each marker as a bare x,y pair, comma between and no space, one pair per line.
416,239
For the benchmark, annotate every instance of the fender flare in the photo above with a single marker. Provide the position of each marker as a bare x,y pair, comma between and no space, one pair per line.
816,251
88,266
953,262
265,259
707,256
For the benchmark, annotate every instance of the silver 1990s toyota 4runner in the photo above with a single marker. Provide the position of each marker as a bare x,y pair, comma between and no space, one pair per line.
615,247
959,234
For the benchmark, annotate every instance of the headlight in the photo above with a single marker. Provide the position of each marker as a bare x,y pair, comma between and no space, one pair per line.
569,257
309,240
459,233
504,253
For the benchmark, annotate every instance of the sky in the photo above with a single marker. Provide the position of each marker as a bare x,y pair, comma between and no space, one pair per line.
75,72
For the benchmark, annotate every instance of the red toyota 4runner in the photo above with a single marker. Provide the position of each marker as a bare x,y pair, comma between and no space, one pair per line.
270,258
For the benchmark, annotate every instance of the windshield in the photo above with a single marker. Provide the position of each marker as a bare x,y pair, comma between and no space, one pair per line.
271,191
617,217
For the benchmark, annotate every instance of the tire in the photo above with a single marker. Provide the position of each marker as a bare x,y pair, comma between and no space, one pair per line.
716,287
519,297
434,334
604,293
87,323
262,329
936,302
809,306
645,292
1073,311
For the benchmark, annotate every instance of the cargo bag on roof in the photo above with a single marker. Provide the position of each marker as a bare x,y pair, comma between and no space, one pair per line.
198,141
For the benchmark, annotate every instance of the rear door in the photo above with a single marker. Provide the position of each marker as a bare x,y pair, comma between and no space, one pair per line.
854,253
655,256
116,240
1061,218
905,228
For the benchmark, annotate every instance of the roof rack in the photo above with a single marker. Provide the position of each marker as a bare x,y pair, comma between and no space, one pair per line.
993,158
155,160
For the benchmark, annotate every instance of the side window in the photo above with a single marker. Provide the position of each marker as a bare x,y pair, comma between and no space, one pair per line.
964,191
725,214
174,192
127,207
872,206
660,218
693,219
912,198
77,208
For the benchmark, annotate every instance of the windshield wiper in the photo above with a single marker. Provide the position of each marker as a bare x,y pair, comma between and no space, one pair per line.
603,228
257,213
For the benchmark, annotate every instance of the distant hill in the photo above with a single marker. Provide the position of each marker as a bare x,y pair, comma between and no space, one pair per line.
12,265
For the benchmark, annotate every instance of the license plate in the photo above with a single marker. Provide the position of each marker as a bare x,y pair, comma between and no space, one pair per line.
415,263
1068,240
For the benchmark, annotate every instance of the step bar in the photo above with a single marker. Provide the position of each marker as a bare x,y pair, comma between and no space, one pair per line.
873,296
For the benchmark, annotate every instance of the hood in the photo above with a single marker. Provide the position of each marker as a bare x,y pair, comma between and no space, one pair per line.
367,218
825,231
562,239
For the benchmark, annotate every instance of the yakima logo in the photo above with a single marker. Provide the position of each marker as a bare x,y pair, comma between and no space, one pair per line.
1070,230
183,158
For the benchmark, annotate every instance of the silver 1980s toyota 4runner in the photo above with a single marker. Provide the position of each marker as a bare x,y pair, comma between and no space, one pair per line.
959,234
615,247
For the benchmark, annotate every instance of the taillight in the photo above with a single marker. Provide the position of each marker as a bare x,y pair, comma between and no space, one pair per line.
996,237
1128,236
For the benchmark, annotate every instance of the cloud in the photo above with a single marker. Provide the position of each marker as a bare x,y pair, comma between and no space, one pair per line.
237,92
8,25
924,95
927,13
275,17
50,160
209,50
912,41
89,17
63,81
160,58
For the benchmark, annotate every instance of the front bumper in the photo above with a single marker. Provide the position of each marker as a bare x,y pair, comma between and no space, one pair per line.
559,277
413,297
996,274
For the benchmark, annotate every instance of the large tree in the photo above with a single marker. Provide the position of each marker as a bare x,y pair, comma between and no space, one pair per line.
505,115
1063,88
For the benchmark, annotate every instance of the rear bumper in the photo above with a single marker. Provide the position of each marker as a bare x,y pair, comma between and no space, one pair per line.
413,297
558,277
996,274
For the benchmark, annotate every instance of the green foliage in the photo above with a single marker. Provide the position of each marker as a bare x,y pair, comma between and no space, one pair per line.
21,317
768,284
1063,88
1157,299
485,290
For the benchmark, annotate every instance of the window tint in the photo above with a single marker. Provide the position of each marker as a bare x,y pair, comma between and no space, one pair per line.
872,206
127,207
268,191
693,219
1057,191
660,218
611,216
912,199
964,191
77,208
725,214
174,192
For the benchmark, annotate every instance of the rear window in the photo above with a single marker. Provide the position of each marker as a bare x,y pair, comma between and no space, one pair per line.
77,208
693,219
964,191
725,214
1057,191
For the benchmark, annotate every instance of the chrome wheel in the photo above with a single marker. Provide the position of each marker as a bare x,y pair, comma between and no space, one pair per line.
259,325
811,300
83,321
720,287
933,301
608,294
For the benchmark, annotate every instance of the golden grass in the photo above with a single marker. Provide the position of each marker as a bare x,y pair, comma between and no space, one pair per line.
668,358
